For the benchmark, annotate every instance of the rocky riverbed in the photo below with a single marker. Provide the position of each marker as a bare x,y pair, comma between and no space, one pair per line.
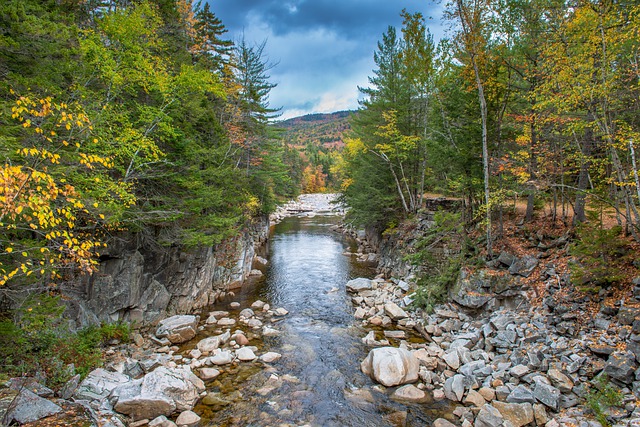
487,358
504,368
158,379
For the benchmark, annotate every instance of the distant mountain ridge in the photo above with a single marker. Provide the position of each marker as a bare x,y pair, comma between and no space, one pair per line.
318,129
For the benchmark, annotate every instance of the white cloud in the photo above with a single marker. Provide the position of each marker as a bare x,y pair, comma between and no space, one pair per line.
319,66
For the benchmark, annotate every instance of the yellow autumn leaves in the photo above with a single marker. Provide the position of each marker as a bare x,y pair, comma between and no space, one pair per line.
47,223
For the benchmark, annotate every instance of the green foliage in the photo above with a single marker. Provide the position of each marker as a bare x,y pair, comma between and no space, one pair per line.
601,397
38,341
135,117
438,257
600,253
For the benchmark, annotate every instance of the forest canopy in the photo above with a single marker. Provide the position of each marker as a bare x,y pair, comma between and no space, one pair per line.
532,100
128,115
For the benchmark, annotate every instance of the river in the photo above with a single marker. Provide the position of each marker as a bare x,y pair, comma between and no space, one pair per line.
317,381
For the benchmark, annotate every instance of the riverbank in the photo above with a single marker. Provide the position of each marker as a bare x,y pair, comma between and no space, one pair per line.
515,366
516,345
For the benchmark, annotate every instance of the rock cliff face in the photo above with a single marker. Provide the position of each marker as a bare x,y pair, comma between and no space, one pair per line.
142,285
393,247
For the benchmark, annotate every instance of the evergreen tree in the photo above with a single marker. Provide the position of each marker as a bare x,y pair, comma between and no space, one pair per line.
209,45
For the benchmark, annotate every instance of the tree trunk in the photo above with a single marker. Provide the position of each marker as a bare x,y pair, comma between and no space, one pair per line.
469,27
583,178
533,167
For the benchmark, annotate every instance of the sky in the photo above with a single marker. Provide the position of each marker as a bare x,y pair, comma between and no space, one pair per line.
322,49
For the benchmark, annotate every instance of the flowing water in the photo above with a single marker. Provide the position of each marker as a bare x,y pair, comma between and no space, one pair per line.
317,381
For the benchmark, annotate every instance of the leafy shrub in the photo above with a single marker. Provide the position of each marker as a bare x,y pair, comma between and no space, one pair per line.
439,254
39,342
600,254
602,397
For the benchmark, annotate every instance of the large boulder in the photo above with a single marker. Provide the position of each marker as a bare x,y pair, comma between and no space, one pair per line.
161,392
359,284
489,417
391,366
29,407
180,384
621,366
128,399
178,329
394,311
518,414
99,384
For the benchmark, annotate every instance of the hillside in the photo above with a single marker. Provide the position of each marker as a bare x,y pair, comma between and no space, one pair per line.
317,138
320,130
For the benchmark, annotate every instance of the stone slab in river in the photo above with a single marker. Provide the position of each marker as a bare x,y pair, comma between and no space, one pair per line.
409,393
391,366
178,329
359,284
245,354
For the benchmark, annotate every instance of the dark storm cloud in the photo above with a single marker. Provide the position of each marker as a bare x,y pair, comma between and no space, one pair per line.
323,48
352,18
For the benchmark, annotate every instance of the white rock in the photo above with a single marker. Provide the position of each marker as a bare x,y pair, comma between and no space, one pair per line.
391,366
222,358
245,354
99,384
394,311
258,304
208,374
208,345
370,339
441,422
218,314
178,329
270,357
452,359
253,323
409,393
161,421
160,392
359,284
247,313
281,311
226,321
270,332
188,419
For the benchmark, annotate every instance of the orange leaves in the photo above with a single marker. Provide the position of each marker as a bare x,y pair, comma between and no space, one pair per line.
313,179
